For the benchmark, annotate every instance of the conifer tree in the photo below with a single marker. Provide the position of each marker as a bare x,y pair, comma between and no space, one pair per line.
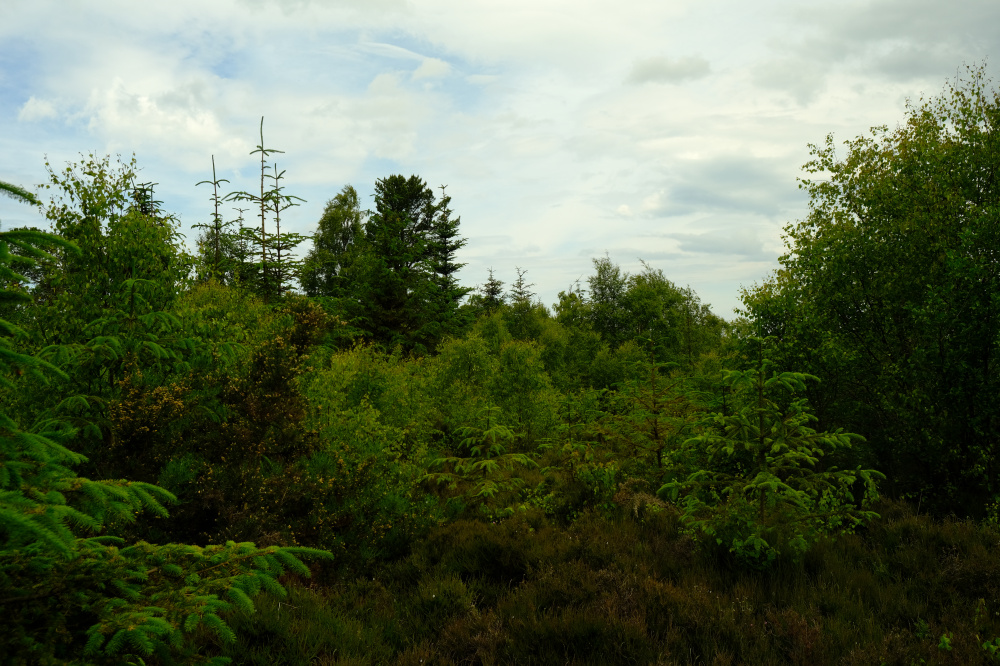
490,296
755,480
272,274
520,291
286,266
214,241
407,285
444,243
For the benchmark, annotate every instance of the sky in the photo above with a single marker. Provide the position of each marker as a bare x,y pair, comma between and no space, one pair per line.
665,131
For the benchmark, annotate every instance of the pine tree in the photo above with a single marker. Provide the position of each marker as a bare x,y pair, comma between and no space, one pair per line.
444,243
492,293
520,291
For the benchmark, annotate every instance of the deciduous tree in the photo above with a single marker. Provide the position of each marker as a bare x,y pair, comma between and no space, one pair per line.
891,291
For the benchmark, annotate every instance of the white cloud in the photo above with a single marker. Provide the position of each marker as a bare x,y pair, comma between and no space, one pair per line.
388,117
36,109
432,68
175,121
652,203
665,70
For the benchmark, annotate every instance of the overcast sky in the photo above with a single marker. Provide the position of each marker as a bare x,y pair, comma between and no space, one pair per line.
670,131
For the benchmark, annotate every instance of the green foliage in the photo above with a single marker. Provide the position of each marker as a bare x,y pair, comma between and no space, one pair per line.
485,476
889,292
339,237
580,468
752,481
488,297
487,485
214,243
357,492
69,595
488,367
648,306
653,417
18,193
102,311
35,472
138,601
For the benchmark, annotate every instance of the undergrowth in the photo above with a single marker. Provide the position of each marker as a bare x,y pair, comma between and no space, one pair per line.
622,588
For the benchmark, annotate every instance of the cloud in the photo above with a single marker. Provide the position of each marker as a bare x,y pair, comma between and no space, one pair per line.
741,242
289,7
758,186
390,51
36,109
899,41
431,68
387,118
556,123
177,115
802,79
664,70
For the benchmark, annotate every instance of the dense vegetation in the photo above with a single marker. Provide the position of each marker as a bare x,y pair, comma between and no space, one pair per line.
200,464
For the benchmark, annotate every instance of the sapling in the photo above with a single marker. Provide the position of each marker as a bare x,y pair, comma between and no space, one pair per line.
486,474
753,480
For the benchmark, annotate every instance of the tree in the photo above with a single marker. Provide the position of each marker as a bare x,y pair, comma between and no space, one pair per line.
407,284
336,246
272,275
26,270
68,595
891,288
286,266
754,480
215,243
444,243
490,296
486,475
520,291
608,309
105,305
18,193
524,317
647,306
